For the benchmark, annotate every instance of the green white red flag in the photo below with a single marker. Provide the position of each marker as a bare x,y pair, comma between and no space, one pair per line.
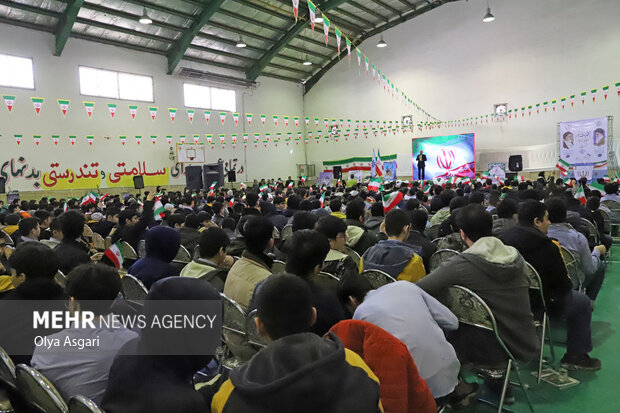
158,209
9,101
312,10
581,195
115,254
391,200
64,106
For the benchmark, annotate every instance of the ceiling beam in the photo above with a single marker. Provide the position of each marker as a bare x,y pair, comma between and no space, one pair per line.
387,6
354,16
285,78
207,62
113,28
178,49
408,16
31,9
65,24
367,10
253,72
349,26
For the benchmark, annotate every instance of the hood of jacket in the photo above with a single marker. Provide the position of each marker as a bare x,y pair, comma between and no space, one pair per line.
292,368
390,256
163,243
373,223
354,234
489,253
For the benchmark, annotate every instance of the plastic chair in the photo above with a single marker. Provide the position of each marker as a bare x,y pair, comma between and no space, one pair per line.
82,404
60,279
133,288
377,278
606,222
353,254
7,370
470,309
436,241
49,243
128,252
183,256
87,232
278,267
254,338
440,256
142,248
541,320
276,233
39,391
572,268
326,280
108,242
432,232
287,232
6,237
233,331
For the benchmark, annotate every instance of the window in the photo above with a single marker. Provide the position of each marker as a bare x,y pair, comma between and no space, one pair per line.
209,97
16,72
117,85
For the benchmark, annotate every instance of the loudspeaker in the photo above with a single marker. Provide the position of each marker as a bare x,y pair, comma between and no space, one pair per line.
515,163
193,177
213,172
2,183
138,182
232,176
510,176
337,172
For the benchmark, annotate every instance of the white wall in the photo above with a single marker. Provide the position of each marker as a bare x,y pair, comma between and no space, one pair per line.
455,66
57,77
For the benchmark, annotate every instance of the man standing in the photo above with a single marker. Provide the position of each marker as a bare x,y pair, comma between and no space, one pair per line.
421,158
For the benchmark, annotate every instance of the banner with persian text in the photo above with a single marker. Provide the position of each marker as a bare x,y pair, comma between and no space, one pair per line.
446,156
583,144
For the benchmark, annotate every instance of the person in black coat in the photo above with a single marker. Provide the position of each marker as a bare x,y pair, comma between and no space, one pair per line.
104,227
418,218
132,225
141,379
71,251
421,159
530,238
162,245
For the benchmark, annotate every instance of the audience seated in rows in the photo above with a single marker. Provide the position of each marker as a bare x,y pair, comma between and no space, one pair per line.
359,238
336,262
417,239
212,264
506,216
162,245
71,251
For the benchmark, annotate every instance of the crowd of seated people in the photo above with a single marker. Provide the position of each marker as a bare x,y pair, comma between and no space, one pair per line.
310,312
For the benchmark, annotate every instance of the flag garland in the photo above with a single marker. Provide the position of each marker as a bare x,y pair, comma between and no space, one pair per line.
64,106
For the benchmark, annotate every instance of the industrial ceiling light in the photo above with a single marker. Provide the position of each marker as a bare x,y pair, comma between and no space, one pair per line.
307,63
318,17
382,42
489,16
241,43
145,19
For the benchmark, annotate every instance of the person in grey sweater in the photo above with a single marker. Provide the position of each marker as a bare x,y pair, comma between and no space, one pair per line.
496,273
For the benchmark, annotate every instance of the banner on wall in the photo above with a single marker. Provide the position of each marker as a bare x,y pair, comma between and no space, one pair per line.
583,144
361,164
497,170
19,173
451,155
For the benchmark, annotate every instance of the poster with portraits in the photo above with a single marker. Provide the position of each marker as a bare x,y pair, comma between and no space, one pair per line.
584,142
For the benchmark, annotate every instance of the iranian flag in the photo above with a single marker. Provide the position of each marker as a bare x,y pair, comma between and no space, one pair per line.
583,97
322,199
312,10
593,93
90,107
316,122
133,109
154,139
563,166
242,185
581,195
296,118
138,139
55,138
190,115
374,184
213,185
37,139
598,187
222,117
37,103
123,139
262,188
115,254
64,106
72,139
307,121
486,175
158,209
338,39
326,24
153,112
235,118
248,117
303,179
568,182
618,88
391,200
90,139
207,114
572,100
9,101
263,118
88,198
18,138
290,184
466,180
286,118
169,139
196,138
111,108
521,178
182,138
359,58
295,9
173,114
348,43
275,120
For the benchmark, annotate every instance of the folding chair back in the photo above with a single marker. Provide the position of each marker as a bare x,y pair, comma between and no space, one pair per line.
254,338
49,243
183,256
233,317
592,229
287,232
98,242
572,267
278,267
81,404
60,279
38,390
7,369
87,232
276,233
432,232
142,248
353,254
128,252
133,288
6,238
326,280
440,256
377,278
606,221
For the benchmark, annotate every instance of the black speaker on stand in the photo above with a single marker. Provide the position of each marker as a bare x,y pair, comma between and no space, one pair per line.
2,185
213,172
193,177
515,163
337,172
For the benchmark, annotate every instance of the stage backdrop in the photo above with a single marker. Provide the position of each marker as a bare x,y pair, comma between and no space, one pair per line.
451,155
583,144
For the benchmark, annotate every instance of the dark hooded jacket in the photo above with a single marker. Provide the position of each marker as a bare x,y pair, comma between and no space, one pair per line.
537,249
134,233
142,383
162,245
496,273
301,373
